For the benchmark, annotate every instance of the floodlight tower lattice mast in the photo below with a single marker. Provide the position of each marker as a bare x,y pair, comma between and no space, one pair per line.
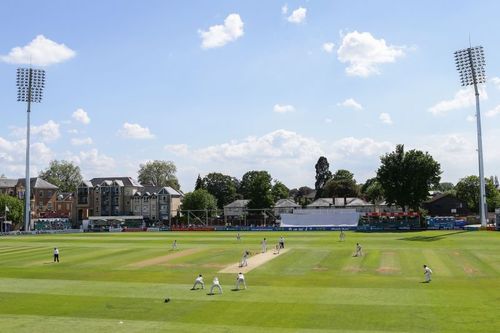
30,84
470,64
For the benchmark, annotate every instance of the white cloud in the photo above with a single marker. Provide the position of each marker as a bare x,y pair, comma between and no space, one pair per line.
94,163
287,155
328,47
351,103
220,35
135,131
72,131
462,99
284,9
298,15
40,51
328,120
385,118
283,108
470,118
46,132
351,146
81,141
493,112
496,81
13,158
180,149
81,116
365,53
280,145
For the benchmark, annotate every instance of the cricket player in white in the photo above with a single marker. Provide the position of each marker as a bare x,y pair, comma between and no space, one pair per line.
264,246
277,249
239,280
359,251
282,242
215,284
174,245
244,260
342,235
199,280
427,273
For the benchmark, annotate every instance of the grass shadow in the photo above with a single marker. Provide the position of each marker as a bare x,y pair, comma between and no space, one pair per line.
431,238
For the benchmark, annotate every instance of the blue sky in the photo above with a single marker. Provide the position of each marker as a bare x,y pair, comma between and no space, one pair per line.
233,86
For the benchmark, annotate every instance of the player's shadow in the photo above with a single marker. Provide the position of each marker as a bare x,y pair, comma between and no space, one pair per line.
431,238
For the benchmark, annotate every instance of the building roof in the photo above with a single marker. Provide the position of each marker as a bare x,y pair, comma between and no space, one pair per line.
286,203
242,203
157,190
6,183
169,190
87,183
126,181
321,202
37,183
439,196
339,202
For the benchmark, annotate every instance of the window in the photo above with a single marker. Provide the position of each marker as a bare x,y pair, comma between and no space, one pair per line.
40,194
49,206
49,194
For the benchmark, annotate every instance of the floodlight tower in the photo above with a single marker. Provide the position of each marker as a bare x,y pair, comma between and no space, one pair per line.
470,64
30,83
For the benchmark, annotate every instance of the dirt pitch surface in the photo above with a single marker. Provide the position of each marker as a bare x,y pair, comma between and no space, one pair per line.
164,259
253,262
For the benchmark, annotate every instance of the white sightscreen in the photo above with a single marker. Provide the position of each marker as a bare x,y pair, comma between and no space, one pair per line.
320,218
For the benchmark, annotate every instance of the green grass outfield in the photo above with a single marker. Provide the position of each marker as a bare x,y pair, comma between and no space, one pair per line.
315,287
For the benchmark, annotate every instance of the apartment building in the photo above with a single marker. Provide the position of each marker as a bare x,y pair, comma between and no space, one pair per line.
124,196
43,194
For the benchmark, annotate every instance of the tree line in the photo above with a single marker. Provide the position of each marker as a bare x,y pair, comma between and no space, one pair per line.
404,178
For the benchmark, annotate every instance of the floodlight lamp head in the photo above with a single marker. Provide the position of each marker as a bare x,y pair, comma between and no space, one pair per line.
30,84
470,65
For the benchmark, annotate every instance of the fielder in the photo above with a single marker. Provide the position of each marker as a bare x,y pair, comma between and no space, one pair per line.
215,284
282,242
277,249
244,259
238,237
427,274
342,235
239,280
199,280
359,251
174,245
264,245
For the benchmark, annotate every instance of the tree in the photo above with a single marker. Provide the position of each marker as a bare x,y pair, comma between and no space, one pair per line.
323,174
279,191
300,195
407,177
342,185
63,174
467,190
15,207
158,173
199,200
222,187
374,192
199,183
256,187
444,187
